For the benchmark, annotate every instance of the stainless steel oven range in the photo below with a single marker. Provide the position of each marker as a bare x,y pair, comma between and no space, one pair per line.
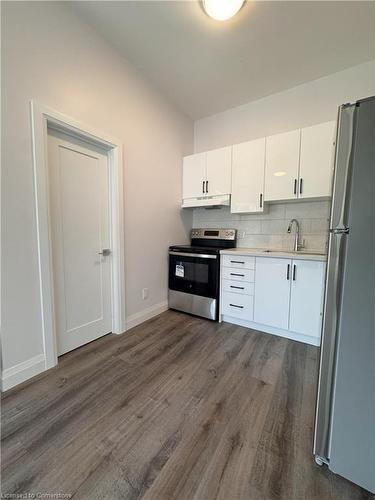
194,272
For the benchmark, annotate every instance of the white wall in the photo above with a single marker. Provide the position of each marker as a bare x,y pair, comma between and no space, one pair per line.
50,55
301,106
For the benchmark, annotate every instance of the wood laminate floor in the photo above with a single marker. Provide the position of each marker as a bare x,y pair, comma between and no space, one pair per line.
177,408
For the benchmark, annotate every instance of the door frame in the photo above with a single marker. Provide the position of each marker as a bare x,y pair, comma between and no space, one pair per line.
43,117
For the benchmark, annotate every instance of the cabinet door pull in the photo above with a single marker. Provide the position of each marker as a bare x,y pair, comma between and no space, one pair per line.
238,287
206,186
294,272
203,186
237,262
261,200
236,274
235,305
288,272
295,186
300,185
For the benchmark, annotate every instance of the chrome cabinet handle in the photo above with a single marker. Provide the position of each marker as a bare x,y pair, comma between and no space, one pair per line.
261,200
237,262
236,274
294,272
238,287
295,186
203,186
300,185
206,186
105,252
288,272
235,305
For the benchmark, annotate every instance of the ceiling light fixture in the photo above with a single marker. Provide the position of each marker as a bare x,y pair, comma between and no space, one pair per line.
221,10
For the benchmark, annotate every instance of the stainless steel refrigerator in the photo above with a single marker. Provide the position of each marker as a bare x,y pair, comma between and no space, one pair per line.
345,412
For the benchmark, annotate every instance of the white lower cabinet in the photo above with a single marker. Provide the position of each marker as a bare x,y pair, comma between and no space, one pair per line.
238,274
306,298
237,287
272,292
234,287
280,296
241,262
237,305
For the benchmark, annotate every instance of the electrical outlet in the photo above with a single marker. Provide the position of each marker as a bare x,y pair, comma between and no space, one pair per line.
144,293
240,234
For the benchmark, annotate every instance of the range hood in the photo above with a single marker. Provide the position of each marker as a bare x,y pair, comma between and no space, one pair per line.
207,201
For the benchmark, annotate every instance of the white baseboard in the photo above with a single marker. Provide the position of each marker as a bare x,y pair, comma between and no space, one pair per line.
150,312
306,339
23,371
33,366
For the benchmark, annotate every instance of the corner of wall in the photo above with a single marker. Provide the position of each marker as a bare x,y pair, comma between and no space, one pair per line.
148,313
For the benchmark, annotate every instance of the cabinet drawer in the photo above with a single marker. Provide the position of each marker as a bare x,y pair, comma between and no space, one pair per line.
233,274
238,306
244,288
238,261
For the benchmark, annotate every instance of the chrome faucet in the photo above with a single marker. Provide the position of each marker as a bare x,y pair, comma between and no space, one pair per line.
297,245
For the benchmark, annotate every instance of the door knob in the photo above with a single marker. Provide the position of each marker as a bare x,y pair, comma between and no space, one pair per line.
105,252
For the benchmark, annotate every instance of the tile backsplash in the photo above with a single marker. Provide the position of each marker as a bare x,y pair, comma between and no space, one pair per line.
269,229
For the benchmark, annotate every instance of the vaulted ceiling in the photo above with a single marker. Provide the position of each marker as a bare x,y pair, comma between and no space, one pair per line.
205,66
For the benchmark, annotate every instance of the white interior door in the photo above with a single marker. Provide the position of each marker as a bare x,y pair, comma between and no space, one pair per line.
79,196
248,176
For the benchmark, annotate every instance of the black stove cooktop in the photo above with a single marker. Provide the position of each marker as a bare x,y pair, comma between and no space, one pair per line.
195,249
209,241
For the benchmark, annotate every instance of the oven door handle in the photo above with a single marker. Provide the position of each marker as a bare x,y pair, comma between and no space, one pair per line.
198,255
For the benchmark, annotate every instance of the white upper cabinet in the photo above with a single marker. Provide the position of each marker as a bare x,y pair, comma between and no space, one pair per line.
206,177
218,173
288,166
194,176
272,291
248,161
306,300
282,165
316,160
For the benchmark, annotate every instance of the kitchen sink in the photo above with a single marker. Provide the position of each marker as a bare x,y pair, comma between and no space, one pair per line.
300,252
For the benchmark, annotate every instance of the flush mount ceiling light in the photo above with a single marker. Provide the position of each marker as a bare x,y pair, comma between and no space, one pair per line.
221,10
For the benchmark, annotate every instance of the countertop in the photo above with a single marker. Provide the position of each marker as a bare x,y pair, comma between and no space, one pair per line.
263,252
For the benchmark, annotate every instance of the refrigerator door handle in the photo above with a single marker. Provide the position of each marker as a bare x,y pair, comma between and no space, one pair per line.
340,230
